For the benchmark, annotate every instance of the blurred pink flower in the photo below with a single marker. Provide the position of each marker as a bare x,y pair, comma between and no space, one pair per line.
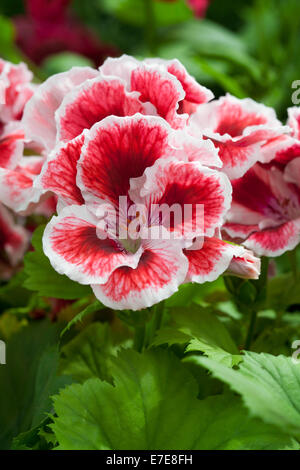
199,6
47,28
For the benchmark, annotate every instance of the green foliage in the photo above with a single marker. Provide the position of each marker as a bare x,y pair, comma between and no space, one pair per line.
269,386
202,331
154,405
28,380
41,277
88,354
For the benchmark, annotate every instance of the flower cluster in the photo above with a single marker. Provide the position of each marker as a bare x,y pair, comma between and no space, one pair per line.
132,151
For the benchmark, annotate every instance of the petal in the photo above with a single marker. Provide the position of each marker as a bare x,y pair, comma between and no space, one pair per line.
239,230
74,248
161,89
39,112
232,116
117,149
192,149
161,269
292,172
91,102
200,196
275,241
59,172
238,128
283,148
14,238
210,260
245,266
264,191
15,80
294,121
121,67
238,157
16,186
11,146
194,92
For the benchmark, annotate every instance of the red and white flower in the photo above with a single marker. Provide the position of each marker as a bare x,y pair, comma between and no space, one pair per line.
132,157
238,129
265,209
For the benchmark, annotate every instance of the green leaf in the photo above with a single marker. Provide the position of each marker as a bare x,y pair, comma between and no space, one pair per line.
92,308
212,40
165,13
269,386
283,291
154,405
87,355
41,277
28,379
8,49
63,61
204,332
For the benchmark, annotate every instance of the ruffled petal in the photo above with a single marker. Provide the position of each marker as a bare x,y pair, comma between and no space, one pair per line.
209,258
91,102
162,90
199,196
117,149
238,128
76,247
276,240
11,146
59,172
39,112
161,269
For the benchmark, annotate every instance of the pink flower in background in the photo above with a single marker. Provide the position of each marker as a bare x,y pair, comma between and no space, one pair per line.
14,240
265,209
199,7
47,29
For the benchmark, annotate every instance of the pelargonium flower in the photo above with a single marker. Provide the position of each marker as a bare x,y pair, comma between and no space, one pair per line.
134,157
239,129
47,29
265,209
14,240
15,90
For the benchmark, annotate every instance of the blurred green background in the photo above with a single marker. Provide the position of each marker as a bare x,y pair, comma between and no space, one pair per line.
246,47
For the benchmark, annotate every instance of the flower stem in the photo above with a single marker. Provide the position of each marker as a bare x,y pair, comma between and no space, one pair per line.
139,338
150,26
293,261
251,329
